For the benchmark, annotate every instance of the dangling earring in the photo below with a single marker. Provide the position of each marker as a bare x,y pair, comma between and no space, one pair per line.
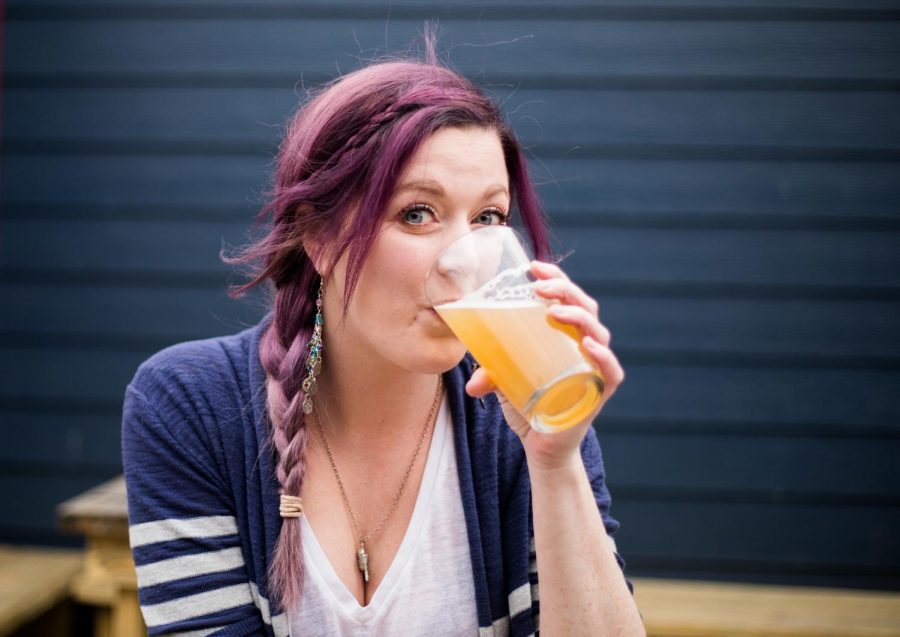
314,355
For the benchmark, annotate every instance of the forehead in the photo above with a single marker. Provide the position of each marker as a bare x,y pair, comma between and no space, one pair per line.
458,158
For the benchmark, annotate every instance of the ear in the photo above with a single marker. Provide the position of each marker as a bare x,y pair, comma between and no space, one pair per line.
313,249
320,253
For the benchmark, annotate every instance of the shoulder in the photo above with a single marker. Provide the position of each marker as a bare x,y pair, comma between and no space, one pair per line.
202,368
196,393
192,402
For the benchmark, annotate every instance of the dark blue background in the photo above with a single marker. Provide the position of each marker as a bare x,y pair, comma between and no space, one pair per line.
726,173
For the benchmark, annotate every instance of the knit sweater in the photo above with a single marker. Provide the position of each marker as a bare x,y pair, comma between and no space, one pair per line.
203,498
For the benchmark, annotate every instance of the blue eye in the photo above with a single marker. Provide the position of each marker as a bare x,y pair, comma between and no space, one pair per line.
491,217
416,215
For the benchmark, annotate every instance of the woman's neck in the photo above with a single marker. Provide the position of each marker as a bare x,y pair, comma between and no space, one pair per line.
367,400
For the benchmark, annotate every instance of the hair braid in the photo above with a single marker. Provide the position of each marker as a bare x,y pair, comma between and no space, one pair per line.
364,135
289,436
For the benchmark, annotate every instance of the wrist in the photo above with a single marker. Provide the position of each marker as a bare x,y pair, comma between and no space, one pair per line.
555,467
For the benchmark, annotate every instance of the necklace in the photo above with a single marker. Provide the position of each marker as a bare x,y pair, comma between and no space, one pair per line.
362,558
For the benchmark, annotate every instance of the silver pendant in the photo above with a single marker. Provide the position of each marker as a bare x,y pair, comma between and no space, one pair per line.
362,561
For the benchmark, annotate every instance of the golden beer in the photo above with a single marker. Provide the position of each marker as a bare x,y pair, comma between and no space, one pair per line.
534,360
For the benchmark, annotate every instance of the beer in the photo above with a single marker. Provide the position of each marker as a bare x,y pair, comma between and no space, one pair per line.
534,360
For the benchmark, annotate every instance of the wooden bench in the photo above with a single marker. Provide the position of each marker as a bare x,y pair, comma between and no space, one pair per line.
107,579
34,582
679,608
671,608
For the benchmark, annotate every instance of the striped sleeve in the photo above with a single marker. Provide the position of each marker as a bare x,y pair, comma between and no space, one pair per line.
192,579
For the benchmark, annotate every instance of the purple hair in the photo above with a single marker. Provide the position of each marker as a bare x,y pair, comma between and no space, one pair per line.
336,171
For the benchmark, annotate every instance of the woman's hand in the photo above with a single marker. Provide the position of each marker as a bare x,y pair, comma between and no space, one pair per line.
575,308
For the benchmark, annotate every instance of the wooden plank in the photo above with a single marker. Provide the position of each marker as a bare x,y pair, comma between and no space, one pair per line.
680,48
675,189
857,329
350,5
32,581
733,537
99,512
719,395
599,255
839,328
674,608
103,375
795,469
254,117
819,398
208,181
59,440
31,500
739,188
126,312
758,257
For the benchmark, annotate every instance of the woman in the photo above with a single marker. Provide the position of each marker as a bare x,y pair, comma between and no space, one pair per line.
343,468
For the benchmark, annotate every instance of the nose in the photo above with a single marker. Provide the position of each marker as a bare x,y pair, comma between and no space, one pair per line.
455,270
458,261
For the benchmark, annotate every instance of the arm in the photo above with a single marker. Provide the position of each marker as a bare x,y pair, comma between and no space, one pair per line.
582,589
183,531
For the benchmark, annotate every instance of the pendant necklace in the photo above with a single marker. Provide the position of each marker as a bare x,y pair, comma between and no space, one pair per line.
362,558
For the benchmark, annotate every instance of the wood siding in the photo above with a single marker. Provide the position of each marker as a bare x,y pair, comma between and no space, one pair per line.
727,173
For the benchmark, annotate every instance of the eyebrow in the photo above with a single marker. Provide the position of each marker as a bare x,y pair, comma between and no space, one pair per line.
435,188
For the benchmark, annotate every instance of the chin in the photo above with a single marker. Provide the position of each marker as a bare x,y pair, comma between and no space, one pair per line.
439,358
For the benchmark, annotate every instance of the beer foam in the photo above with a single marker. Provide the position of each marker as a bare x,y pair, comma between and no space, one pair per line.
509,285
515,304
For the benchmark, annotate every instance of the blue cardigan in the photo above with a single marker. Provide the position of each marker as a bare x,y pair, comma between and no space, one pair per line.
203,498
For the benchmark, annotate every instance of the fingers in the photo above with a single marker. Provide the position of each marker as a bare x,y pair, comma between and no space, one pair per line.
607,363
553,283
480,384
583,320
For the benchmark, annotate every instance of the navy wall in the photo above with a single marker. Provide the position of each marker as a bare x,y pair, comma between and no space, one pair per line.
726,172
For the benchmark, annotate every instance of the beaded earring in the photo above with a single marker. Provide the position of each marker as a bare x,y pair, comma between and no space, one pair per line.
314,355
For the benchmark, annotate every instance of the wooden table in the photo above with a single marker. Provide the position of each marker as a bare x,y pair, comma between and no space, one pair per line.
107,579
33,582
679,608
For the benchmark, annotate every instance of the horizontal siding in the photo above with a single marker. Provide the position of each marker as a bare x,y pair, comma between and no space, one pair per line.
857,539
247,120
636,8
147,317
829,49
662,256
726,173
41,443
682,389
668,190
761,468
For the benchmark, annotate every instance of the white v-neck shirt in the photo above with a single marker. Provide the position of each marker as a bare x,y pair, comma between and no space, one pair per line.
428,588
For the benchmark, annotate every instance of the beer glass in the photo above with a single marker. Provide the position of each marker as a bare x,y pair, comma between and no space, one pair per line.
482,287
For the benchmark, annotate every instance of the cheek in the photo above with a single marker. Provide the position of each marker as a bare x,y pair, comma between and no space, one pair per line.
403,264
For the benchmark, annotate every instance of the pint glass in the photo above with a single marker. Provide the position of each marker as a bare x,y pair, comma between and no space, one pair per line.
481,286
